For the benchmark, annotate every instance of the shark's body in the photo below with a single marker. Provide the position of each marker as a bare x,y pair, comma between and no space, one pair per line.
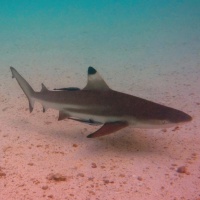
98,104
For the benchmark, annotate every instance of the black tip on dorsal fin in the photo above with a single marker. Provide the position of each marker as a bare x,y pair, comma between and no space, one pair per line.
91,71
95,81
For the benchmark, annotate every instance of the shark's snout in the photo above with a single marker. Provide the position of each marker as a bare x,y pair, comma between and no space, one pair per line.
186,118
180,117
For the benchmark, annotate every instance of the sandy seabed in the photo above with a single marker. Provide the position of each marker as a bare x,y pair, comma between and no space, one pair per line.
41,158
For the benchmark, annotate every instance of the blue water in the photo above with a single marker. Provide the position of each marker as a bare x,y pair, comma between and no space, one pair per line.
102,33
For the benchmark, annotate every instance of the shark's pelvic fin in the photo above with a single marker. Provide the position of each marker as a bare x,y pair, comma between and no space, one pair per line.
95,81
62,116
108,128
28,90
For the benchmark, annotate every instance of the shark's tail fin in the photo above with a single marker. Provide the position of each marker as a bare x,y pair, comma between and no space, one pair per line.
28,90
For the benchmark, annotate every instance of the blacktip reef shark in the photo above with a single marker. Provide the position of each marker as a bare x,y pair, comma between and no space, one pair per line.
97,104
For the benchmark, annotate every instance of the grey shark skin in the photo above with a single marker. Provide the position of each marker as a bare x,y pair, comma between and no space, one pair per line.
97,104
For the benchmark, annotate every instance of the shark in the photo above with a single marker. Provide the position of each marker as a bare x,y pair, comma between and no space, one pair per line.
98,104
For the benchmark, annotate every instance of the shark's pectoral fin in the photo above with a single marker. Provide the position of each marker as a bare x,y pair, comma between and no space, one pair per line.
62,115
108,128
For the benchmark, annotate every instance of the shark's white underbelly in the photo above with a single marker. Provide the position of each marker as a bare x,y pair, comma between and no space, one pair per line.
84,113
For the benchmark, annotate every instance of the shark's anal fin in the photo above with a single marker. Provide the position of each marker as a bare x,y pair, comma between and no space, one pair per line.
62,115
108,128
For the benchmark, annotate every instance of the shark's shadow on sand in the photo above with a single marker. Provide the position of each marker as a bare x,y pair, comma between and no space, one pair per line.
127,141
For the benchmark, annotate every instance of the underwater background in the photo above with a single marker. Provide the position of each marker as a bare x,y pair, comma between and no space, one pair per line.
103,33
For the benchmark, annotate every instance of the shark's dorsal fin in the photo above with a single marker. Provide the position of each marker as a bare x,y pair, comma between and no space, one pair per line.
44,89
95,81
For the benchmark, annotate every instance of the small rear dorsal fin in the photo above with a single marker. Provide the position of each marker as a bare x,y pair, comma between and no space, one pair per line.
44,89
95,81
